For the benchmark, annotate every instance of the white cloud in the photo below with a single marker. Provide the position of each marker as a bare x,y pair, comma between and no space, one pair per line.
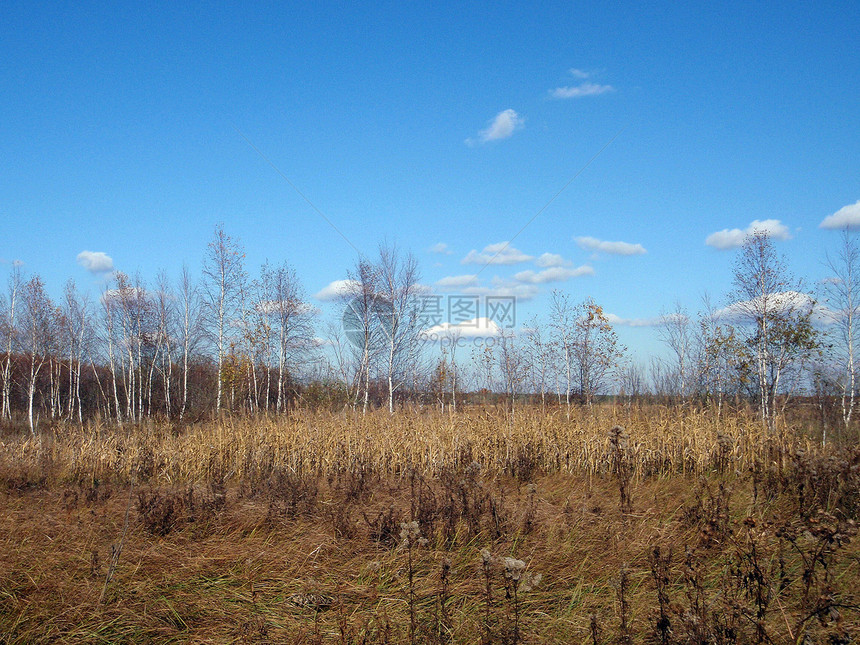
129,294
782,303
643,322
632,322
440,248
275,306
845,217
504,288
553,274
503,126
499,253
95,261
734,238
578,73
454,281
336,290
552,260
580,91
613,248
474,328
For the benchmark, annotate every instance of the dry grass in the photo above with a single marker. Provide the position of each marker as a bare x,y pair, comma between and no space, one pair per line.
252,531
661,440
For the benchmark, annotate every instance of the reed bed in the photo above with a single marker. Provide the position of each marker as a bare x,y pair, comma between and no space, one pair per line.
618,525
657,440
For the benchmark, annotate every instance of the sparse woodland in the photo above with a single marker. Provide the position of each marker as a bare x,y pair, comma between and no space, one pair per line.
189,463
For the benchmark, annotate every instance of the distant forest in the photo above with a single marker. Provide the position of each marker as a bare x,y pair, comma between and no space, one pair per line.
232,342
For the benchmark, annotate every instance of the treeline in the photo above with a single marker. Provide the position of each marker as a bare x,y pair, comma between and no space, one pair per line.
229,342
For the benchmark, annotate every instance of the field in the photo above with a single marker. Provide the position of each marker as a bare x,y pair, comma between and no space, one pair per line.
619,524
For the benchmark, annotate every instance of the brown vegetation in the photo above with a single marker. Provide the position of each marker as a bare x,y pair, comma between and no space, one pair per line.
429,528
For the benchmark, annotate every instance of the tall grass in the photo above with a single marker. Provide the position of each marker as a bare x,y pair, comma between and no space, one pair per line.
659,441
620,525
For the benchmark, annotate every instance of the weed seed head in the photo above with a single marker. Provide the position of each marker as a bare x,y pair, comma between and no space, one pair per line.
514,568
410,534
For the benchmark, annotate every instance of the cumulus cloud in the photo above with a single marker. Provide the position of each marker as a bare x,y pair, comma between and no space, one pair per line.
95,261
336,290
286,306
502,126
580,91
504,288
553,274
440,248
548,260
734,238
455,281
782,303
644,322
613,248
499,253
474,328
127,294
633,322
845,217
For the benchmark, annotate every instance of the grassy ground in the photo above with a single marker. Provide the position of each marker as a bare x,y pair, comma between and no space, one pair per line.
248,543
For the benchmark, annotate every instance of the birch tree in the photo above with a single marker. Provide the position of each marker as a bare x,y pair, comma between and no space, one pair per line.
843,292
363,324
562,324
189,329
77,314
539,353
596,350
9,335
38,328
776,316
223,272
398,285
674,331
291,317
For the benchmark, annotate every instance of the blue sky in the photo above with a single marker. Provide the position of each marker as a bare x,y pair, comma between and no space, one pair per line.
125,131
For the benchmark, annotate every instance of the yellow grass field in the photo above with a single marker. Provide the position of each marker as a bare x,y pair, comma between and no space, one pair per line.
423,527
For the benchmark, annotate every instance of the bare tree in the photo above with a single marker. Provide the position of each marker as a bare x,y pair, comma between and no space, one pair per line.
539,353
9,334
223,272
843,293
109,318
720,357
38,326
136,323
512,364
77,313
189,311
364,325
454,334
777,320
291,318
562,322
485,364
596,350
165,316
632,382
398,286
674,331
